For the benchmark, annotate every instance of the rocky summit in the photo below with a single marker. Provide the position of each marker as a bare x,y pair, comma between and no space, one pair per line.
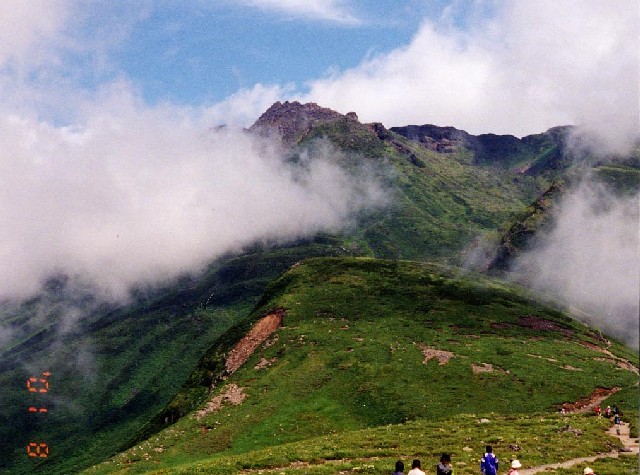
291,121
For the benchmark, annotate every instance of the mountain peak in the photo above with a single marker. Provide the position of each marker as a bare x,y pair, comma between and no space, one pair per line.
290,121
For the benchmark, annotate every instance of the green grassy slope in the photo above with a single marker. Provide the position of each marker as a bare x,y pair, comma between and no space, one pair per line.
116,367
440,201
350,357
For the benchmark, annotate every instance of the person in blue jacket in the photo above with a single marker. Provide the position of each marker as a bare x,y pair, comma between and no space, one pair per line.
489,462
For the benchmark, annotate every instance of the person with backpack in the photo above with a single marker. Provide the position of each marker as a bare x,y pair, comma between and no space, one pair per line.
617,422
489,462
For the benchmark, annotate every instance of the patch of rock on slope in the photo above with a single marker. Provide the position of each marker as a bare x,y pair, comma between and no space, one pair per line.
233,394
258,334
291,121
238,355
588,403
442,356
487,368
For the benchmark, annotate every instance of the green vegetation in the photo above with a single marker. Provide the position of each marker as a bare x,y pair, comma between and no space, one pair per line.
120,365
349,361
440,202
624,179
539,438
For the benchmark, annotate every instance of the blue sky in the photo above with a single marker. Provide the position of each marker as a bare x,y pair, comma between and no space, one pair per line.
203,54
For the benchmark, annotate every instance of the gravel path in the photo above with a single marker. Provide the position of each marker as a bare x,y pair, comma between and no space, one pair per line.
630,446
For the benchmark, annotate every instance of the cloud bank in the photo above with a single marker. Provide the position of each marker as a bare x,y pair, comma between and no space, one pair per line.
590,259
137,195
528,67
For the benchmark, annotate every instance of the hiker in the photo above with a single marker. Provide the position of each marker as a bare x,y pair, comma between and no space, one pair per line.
615,410
489,462
515,465
616,421
399,468
597,410
607,411
444,467
588,471
415,468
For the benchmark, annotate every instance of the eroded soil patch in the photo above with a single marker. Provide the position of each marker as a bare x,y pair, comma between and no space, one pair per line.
248,344
429,353
539,323
588,403
233,395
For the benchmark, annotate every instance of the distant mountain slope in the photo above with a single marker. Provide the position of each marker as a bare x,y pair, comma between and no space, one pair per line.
342,344
533,155
440,201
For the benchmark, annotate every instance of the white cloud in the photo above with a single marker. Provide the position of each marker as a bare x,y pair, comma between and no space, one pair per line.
532,66
27,26
136,194
335,11
242,108
128,193
590,259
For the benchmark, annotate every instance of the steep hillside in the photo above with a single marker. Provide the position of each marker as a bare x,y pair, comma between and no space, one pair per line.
342,345
545,153
439,201
113,367
617,179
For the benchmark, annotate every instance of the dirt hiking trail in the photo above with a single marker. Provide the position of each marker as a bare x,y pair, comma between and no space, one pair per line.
630,447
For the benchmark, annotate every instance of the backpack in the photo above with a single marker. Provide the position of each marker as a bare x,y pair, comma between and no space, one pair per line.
490,464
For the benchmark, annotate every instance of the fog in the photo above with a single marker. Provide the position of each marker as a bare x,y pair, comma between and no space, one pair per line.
590,259
138,195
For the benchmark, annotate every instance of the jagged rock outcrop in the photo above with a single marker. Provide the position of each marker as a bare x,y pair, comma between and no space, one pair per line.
291,121
532,154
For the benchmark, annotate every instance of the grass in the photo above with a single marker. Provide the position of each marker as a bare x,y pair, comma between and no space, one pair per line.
348,360
118,366
440,202
539,439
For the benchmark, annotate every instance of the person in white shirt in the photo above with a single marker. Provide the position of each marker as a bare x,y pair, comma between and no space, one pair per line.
415,468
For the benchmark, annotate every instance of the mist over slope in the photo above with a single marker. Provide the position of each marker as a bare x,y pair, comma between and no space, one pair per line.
589,258
130,199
